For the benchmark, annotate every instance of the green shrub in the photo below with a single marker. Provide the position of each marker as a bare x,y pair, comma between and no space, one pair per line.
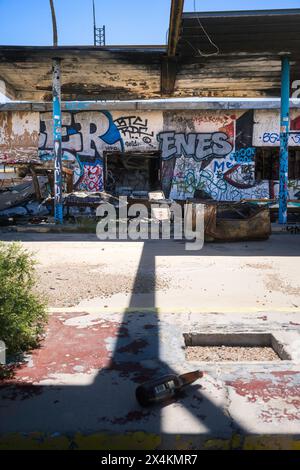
22,312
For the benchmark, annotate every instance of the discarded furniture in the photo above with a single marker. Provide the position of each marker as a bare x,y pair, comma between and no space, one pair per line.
22,193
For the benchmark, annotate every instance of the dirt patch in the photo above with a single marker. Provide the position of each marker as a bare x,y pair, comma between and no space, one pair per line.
275,283
259,265
229,353
67,286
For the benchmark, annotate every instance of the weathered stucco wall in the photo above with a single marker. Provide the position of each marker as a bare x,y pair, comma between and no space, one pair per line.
266,128
210,150
19,135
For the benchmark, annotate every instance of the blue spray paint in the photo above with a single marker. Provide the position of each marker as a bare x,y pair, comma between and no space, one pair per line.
284,139
57,140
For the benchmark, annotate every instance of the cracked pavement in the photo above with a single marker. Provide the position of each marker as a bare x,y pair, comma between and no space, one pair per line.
77,389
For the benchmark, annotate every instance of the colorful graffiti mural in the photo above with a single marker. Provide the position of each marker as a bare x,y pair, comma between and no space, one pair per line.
213,151
217,157
84,134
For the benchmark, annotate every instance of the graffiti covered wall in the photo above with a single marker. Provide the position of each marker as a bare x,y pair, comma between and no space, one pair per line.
86,135
213,151
266,128
209,151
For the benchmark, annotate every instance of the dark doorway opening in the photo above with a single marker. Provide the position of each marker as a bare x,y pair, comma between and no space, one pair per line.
132,173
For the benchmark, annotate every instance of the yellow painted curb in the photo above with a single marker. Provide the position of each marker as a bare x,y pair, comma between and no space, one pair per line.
93,310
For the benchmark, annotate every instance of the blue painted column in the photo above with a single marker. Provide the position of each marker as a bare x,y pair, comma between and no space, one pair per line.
284,139
58,201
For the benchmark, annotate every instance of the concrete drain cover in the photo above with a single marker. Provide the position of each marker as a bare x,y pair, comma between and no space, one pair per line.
242,347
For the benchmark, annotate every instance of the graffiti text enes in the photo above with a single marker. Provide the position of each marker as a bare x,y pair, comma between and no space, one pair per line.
194,145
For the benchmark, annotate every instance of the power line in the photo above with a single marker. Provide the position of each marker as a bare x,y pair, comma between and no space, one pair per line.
204,54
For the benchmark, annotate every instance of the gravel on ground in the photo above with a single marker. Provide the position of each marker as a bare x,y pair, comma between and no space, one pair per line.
66,286
229,353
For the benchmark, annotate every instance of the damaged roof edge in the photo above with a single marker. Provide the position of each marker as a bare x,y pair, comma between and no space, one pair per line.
149,105
241,13
73,48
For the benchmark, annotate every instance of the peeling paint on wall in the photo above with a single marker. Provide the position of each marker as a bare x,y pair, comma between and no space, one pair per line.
19,136
266,130
213,151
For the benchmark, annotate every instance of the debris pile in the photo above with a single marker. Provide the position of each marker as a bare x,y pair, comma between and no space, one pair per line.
23,192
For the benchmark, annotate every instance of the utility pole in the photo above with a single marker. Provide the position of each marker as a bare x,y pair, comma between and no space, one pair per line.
99,33
56,113
54,25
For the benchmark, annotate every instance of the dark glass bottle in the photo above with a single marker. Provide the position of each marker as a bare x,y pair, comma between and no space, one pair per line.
165,387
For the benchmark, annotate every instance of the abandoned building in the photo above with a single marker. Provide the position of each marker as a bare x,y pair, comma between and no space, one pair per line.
202,136
230,154
217,148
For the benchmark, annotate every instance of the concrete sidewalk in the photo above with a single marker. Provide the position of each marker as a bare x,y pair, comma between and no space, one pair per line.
77,390
78,272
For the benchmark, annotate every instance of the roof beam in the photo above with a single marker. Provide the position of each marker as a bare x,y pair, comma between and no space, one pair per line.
168,75
174,26
169,62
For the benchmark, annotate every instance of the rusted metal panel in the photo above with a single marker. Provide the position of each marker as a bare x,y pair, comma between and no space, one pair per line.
19,136
254,227
234,222
272,31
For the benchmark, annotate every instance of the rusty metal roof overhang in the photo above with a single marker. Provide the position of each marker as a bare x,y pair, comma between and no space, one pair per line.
255,31
236,53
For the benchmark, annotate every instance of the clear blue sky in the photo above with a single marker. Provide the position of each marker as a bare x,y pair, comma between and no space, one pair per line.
28,22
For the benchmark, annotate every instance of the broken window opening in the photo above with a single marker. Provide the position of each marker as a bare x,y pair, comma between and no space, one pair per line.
132,174
267,163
